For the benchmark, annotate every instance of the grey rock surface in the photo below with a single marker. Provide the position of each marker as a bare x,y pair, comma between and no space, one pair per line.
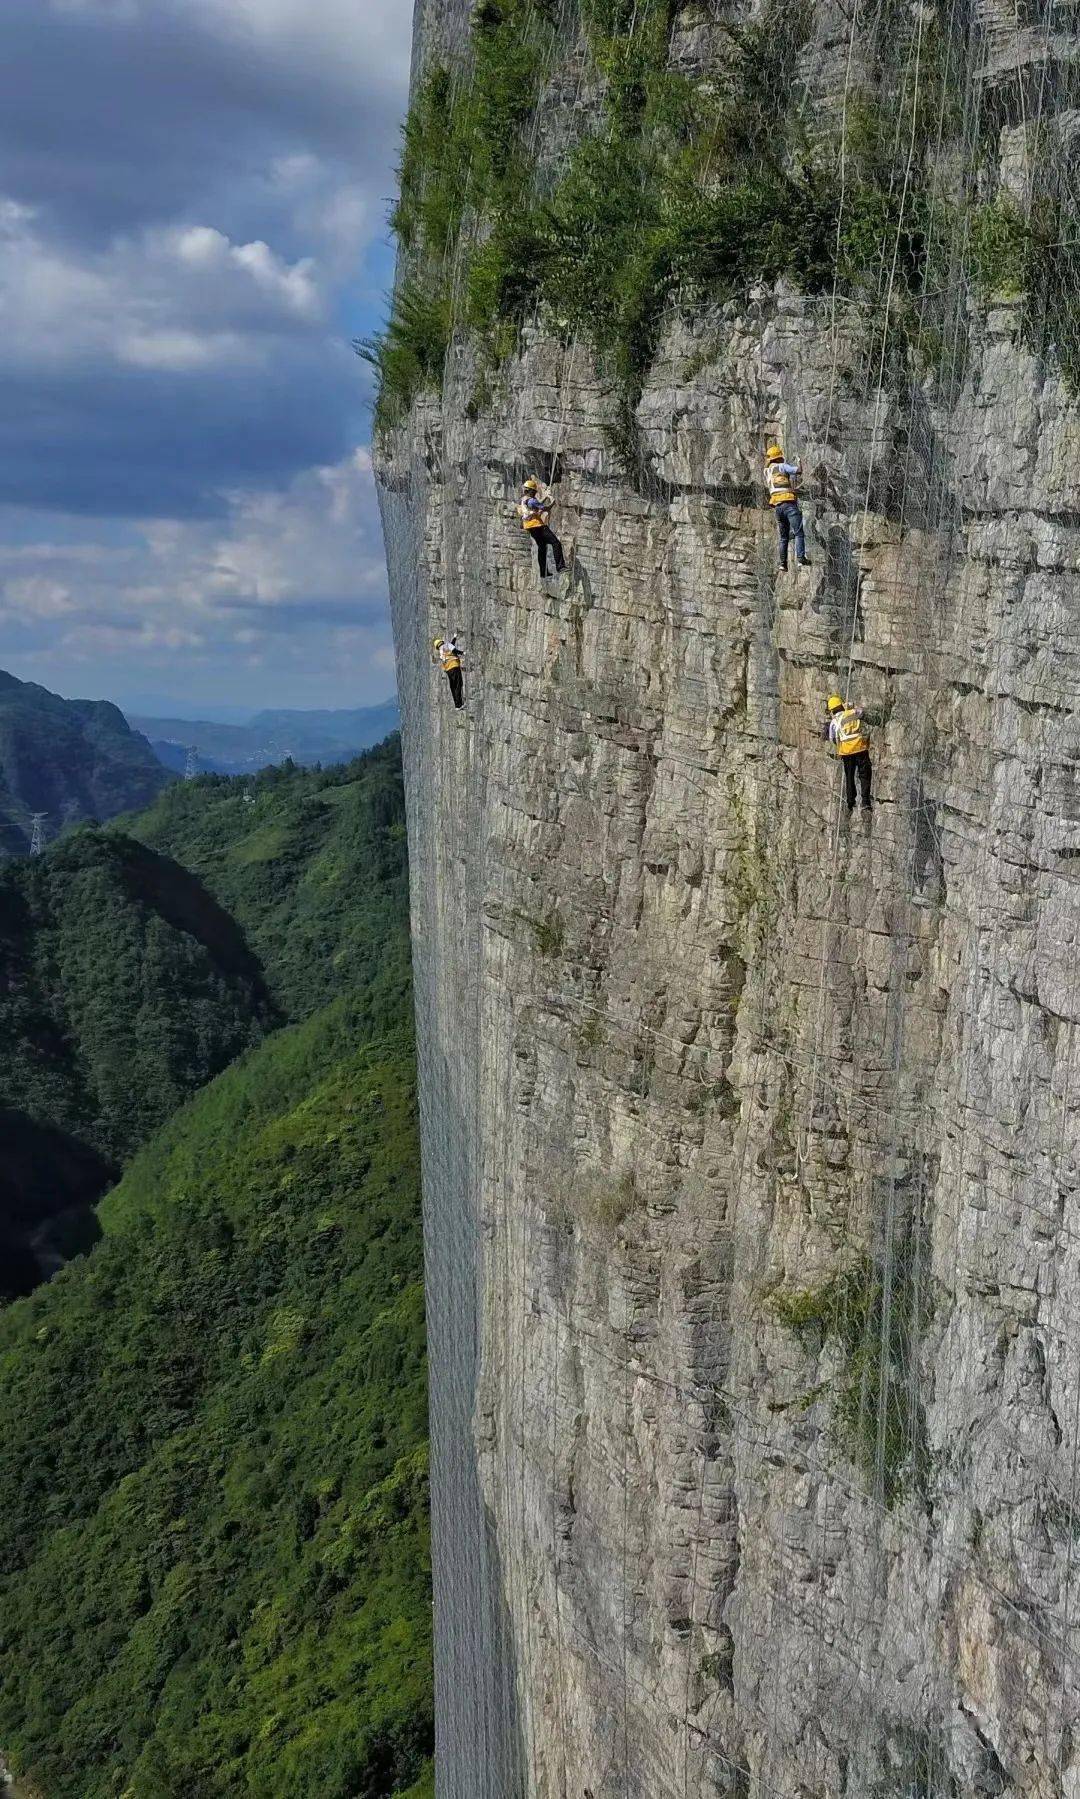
752,1177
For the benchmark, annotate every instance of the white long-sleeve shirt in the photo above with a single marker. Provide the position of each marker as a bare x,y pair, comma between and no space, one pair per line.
831,729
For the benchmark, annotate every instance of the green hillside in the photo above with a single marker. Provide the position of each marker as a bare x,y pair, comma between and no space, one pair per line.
213,1545
312,865
73,759
124,986
213,1564
127,982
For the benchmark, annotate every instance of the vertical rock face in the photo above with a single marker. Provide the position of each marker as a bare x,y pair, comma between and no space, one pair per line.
750,1131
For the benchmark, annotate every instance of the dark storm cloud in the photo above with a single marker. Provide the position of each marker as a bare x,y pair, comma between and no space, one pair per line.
116,116
147,443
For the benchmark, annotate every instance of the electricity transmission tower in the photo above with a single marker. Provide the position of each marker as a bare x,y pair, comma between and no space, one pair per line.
191,763
37,841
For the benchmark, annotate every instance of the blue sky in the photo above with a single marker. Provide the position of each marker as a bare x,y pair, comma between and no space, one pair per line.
193,199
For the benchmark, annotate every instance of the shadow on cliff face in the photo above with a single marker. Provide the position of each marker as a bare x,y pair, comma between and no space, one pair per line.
49,1184
545,465
839,601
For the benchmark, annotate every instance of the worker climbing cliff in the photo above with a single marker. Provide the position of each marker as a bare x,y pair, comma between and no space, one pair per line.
846,730
781,478
534,510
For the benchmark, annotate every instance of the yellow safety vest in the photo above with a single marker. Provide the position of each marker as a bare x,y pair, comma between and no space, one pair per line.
531,519
778,484
450,659
850,733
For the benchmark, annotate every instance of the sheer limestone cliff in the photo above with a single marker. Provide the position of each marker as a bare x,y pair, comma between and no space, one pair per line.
751,1160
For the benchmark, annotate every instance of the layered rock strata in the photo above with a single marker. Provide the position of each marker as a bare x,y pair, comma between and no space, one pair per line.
750,1132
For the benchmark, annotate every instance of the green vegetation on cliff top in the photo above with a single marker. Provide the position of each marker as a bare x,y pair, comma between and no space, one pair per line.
213,1546
682,192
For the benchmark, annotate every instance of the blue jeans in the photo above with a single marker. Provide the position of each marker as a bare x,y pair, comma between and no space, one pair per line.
789,524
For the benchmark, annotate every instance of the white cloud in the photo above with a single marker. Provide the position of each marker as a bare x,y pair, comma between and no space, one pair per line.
295,170
300,567
35,596
200,244
180,298
295,285
201,247
193,190
177,349
346,37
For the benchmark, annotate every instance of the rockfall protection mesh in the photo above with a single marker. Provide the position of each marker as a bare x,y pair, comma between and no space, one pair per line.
929,1166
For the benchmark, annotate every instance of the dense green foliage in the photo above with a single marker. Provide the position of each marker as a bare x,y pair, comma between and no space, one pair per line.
74,759
213,1546
311,863
213,1571
1034,257
124,986
686,192
874,1315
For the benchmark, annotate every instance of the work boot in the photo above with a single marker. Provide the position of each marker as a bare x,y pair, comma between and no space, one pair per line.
804,562
868,805
782,569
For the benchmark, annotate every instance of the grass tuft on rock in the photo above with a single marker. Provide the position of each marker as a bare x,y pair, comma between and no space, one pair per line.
874,1319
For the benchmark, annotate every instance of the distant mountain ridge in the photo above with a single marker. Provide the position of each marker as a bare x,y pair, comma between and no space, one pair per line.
72,759
305,737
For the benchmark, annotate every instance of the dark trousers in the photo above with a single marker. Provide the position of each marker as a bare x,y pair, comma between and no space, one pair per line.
858,764
453,675
543,536
789,524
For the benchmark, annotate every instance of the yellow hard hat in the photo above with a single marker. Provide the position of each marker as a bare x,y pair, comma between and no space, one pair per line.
835,703
773,453
531,485
436,641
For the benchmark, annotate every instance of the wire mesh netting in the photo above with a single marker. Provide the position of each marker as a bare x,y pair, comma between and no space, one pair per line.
749,1128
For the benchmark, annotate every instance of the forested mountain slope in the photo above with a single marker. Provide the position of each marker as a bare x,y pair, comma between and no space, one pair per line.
124,986
215,1460
73,759
310,862
215,1423
127,982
